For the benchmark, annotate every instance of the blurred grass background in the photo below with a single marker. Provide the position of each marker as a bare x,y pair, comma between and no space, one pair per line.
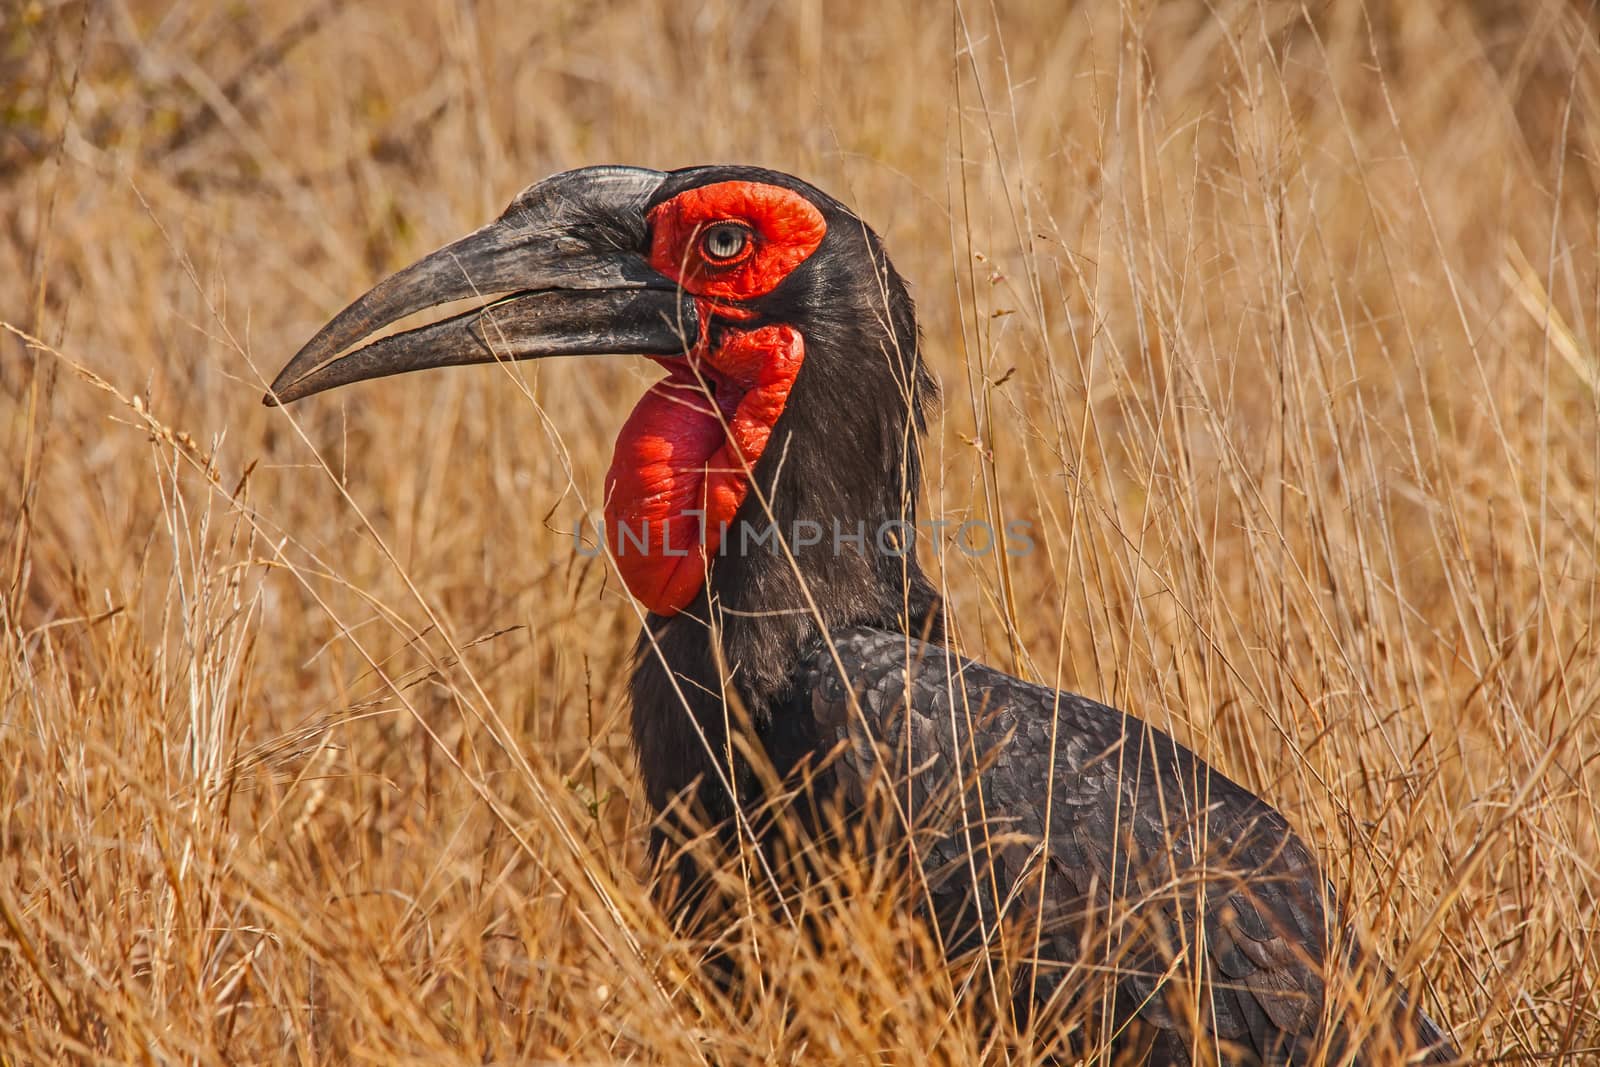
1276,321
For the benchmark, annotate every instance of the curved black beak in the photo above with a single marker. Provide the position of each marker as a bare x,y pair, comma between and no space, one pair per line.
567,277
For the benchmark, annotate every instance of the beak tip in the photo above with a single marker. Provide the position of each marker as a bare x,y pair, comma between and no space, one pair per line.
280,394
286,387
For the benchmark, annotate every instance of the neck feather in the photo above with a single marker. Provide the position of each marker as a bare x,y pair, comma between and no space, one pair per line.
823,537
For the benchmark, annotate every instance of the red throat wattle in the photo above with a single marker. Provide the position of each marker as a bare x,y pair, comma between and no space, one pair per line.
682,464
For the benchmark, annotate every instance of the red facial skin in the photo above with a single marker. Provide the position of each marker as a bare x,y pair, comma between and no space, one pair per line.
786,226
682,463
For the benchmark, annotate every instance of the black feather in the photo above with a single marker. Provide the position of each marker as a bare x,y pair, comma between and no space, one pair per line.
1207,914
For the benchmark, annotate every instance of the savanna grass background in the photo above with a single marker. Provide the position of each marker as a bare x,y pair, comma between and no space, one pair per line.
1276,321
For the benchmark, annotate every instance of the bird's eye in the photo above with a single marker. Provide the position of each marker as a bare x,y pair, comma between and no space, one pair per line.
725,241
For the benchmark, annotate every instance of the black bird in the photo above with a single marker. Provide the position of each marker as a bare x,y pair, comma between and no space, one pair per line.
762,506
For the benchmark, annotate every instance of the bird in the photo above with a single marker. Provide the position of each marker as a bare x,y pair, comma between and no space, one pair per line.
761,506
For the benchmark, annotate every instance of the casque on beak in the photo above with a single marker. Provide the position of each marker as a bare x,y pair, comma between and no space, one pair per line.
565,275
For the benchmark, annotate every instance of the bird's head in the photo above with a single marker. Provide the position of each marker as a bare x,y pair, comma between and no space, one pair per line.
790,346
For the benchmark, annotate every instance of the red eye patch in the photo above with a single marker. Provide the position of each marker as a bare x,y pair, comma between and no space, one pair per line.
784,228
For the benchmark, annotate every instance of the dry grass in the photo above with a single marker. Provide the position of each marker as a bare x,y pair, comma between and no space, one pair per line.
1281,332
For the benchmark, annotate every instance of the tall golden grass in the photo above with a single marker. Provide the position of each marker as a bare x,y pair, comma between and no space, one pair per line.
1277,322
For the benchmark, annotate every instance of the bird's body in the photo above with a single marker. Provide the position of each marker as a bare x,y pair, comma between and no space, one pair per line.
762,506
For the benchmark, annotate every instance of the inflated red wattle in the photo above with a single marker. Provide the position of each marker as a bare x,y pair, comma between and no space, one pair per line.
682,461
681,467
787,229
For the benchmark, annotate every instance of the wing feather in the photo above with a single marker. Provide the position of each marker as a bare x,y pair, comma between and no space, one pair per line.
1190,889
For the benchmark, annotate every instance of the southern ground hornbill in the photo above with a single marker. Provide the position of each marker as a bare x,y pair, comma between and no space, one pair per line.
1173,915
